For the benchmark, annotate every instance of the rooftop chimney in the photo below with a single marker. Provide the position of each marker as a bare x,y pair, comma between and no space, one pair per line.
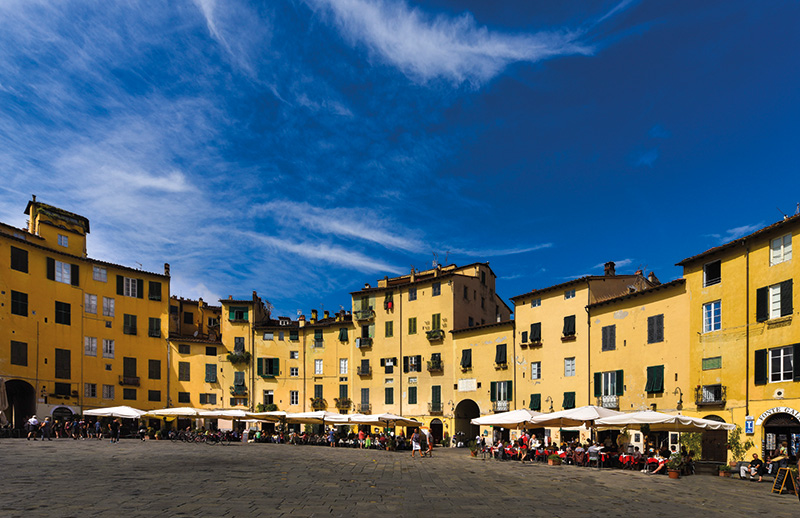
313,316
413,274
166,269
326,314
653,279
610,271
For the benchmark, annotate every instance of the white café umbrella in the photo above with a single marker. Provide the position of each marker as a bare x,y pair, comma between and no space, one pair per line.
661,422
386,419
124,412
585,415
273,416
318,417
181,411
511,419
224,414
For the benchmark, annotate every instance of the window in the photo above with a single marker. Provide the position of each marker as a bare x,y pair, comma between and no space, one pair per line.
214,322
99,274
524,337
483,302
437,289
412,325
184,349
154,369
569,326
183,397
483,278
237,313
535,303
712,320
412,363
19,259
294,372
712,363
238,344
466,359
471,322
318,367
569,367
184,371
412,294
173,310
294,355
412,395
501,391
90,303
655,329
389,329
294,397
129,324
63,240
294,335
436,321
19,303
780,249
536,332
269,397
62,389
89,346
62,313
780,364
154,327
211,373
208,399
130,287
318,392
389,396
128,393
388,365
63,272
108,391
536,402
774,301
154,395
655,379
238,379
63,364
343,334
108,348
609,338
188,317
536,370
500,357
211,350
108,307
569,400
19,353
128,367
342,365
268,367
281,336
712,273
608,383
154,290
569,294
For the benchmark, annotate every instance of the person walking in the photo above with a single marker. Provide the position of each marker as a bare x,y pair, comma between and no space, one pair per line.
114,427
32,425
47,427
415,439
429,439
98,430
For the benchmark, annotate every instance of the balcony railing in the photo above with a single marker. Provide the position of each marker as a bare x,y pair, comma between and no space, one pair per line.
501,365
711,395
436,334
435,366
318,342
365,408
364,314
363,342
500,406
342,403
238,390
435,408
129,380
608,402
364,370
318,403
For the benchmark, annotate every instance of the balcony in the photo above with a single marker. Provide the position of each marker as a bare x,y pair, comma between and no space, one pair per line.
364,314
535,343
569,338
364,408
709,395
435,408
523,345
435,366
318,343
132,381
364,370
363,342
611,402
435,335
318,403
343,403
500,406
238,390
501,365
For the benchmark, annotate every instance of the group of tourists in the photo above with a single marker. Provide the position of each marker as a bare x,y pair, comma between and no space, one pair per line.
76,428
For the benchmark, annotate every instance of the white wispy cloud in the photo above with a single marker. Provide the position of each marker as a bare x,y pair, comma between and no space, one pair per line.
617,264
426,47
736,232
646,158
496,252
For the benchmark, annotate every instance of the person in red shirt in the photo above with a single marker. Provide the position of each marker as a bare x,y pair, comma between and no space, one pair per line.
361,439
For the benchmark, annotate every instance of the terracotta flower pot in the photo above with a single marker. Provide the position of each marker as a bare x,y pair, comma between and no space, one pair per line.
674,473
724,473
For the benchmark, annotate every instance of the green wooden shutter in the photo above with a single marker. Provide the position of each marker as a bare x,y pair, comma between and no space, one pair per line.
412,395
276,366
796,362
786,298
598,383
536,402
139,288
536,332
120,285
760,367
620,383
658,384
648,387
510,390
75,275
493,391
260,366
436,395
51,268
569,400
405,363
762,304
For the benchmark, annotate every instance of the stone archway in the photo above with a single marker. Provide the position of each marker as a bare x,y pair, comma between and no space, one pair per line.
777,428
21,402
437,428
467,410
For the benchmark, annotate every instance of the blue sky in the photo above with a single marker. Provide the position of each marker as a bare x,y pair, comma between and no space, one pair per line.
303,148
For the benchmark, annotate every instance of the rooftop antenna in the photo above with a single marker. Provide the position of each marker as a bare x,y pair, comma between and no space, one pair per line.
140,264
446,257
797,210
435,262
784,215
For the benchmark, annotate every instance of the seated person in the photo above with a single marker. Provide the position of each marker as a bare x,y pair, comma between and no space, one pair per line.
755,468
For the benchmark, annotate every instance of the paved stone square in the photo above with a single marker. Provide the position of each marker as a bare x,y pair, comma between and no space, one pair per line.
67,478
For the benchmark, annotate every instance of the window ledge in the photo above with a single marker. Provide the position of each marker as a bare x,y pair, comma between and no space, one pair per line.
570,338
779,322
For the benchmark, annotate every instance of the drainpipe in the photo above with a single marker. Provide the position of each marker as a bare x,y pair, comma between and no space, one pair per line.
589,343
747,329
400,357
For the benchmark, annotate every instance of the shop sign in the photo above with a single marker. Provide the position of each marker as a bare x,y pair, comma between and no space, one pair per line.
749,425
778,410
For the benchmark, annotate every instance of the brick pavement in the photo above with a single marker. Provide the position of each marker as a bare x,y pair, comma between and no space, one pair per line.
68,478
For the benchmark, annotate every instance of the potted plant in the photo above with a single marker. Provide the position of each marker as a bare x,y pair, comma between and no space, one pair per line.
553,460
735,445
473,448
674,467
725,470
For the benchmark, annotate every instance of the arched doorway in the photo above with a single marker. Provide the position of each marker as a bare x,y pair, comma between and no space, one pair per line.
62,413
780,427
21,402
466,411
436,429
715,442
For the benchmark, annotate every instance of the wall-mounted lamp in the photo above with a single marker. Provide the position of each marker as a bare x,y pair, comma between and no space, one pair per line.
548,398
680,399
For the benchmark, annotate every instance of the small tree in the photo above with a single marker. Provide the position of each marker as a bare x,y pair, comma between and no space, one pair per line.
738,448
693,441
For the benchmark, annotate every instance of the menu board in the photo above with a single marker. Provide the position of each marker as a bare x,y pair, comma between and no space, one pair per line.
784,482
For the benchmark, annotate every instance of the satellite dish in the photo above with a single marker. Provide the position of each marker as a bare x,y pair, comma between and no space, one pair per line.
195,334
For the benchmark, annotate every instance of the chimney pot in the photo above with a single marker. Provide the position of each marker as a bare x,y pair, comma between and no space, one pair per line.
326,314
609,269
166,269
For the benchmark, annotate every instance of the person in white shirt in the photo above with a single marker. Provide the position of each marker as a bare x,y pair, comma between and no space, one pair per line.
33,425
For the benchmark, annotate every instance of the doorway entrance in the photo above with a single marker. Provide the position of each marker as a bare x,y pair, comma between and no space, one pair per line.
778,428
21,402
437,428
715,442
466,411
